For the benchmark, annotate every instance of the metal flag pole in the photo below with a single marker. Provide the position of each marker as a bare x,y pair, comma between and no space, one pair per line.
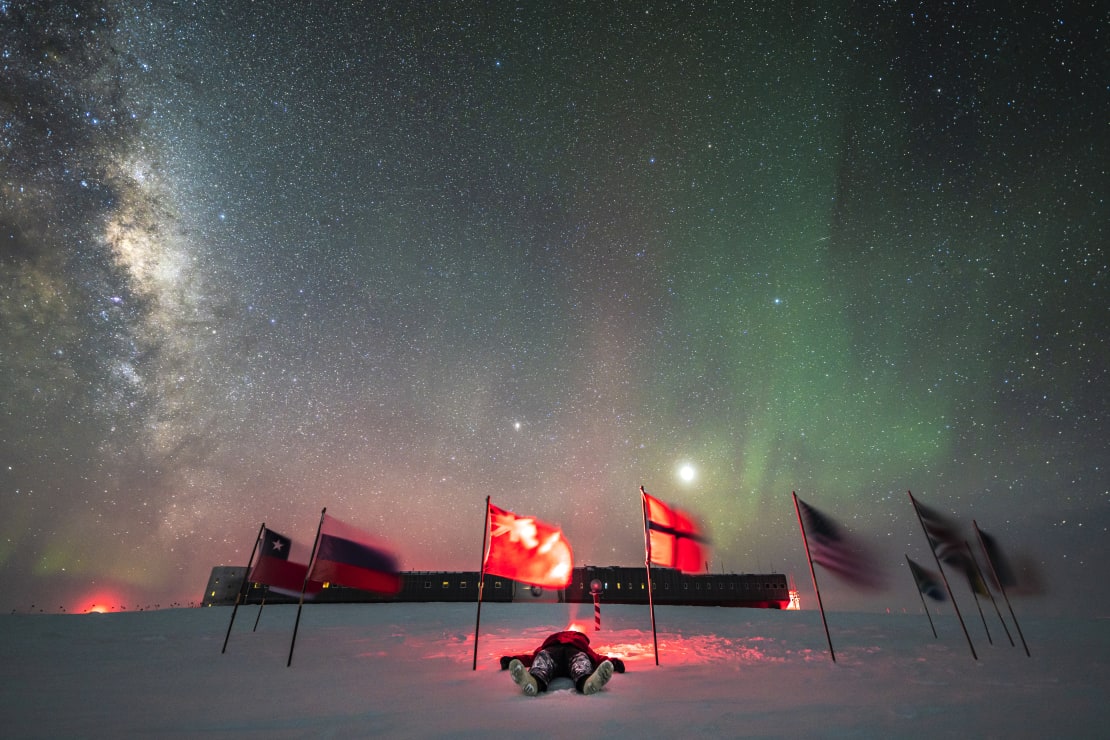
943,577
481,585
990,594
243,586
261,606
813,575
1001,587
975,590
647,564
921,594
304,586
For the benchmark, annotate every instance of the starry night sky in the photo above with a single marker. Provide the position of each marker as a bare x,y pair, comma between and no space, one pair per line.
392,259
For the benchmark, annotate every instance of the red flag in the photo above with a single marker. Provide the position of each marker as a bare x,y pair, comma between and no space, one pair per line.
349,557
527,550
674,540
274,568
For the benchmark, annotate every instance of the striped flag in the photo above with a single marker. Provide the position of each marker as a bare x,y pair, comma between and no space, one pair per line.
948,542
943,532
347,556
834,549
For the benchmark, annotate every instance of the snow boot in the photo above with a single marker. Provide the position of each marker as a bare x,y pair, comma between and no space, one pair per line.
525,680
598,678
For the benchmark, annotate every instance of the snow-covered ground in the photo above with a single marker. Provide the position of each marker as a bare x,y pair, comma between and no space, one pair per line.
405,670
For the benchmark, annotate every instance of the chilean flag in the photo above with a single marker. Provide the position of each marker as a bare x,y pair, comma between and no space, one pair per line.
276,570
349,557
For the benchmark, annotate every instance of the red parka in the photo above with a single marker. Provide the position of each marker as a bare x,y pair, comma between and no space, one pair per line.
569,637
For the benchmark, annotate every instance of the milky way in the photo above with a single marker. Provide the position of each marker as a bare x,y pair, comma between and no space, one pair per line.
391,260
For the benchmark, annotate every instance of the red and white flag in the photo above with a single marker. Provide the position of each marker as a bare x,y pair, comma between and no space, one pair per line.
274,568
674,540
527,550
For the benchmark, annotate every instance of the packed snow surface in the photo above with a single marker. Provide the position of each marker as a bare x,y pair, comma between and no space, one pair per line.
406,670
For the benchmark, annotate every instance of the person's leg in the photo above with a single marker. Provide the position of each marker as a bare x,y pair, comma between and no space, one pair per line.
581,669
545,666
522,678
598,678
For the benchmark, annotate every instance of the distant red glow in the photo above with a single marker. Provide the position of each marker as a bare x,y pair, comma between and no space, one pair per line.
100,602
577,627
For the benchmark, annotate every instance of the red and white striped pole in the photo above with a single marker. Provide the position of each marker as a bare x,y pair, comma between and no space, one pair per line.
595,591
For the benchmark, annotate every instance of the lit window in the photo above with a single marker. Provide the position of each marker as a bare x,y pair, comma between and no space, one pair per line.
446,584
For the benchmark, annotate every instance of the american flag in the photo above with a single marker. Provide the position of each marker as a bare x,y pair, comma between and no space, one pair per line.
834,549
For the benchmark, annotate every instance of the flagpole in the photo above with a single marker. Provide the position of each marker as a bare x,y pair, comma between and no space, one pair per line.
258,616
975,592
481,585
943,577
647,564
1001,587
922,595
813,574
987,588
243,586
304,586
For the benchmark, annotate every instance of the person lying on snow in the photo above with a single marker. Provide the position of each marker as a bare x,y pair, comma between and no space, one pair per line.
563,654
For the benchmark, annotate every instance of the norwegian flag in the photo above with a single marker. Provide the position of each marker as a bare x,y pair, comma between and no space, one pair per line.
673,539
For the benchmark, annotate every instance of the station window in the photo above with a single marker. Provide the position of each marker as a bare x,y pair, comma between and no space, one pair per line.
446,584
462,584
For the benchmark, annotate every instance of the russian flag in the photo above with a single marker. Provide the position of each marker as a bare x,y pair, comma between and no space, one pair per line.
348,556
